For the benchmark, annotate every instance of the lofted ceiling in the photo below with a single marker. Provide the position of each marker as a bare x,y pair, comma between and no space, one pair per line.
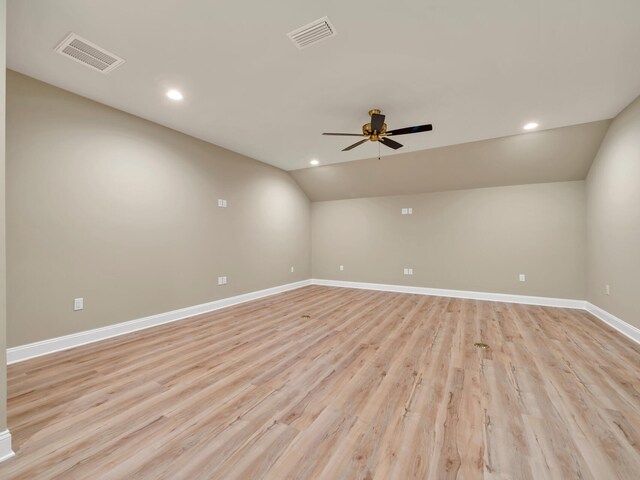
560,154
476,70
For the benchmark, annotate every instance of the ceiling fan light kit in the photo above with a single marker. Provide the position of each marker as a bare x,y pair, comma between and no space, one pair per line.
376,131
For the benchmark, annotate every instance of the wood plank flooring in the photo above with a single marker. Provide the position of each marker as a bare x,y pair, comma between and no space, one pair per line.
373,385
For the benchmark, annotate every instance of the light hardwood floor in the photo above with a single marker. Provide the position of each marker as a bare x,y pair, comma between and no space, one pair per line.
373,385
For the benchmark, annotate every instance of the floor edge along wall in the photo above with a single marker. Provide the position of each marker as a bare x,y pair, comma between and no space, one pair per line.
45,347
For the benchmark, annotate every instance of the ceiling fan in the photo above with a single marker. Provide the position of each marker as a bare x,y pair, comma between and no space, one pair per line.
376,131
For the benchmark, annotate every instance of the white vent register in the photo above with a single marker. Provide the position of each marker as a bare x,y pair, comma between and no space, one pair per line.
83,51
312,33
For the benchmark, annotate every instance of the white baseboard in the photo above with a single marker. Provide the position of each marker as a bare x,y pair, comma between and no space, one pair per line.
441,292
620,325
5,446
32,350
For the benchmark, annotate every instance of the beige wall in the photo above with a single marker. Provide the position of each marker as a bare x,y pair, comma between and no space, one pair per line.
613,219
478,239
123,212
3,325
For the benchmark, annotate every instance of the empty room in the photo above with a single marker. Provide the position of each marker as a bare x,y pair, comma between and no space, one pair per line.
320,240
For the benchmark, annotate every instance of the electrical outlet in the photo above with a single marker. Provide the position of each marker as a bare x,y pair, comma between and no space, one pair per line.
222,203
523,277
222,280
407,211
78,304
342,268
408,271
607,290
292,269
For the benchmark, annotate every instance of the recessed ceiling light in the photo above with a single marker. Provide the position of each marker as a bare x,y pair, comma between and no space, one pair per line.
174,95
530,126
314,162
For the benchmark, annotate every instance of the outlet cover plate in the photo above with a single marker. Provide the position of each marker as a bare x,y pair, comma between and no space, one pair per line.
78,304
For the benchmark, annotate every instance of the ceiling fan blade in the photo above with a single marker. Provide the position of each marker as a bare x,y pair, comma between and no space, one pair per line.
345,134
377,120
416,129
390,143
355,144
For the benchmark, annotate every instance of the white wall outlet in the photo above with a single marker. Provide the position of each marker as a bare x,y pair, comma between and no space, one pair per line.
342,268
407,211
78,304
607,290
523,277
222,280
222,203
408,271
292,269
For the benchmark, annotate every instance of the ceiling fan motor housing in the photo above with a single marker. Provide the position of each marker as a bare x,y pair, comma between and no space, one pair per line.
373,136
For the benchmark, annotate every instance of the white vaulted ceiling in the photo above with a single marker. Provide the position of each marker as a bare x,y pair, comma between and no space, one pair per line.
476,70
555,155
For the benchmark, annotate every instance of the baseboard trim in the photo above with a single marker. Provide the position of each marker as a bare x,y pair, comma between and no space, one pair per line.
45,347
441,292
5,446
621,326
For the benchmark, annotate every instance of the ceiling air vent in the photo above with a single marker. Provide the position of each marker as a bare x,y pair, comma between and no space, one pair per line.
312,33
82,51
